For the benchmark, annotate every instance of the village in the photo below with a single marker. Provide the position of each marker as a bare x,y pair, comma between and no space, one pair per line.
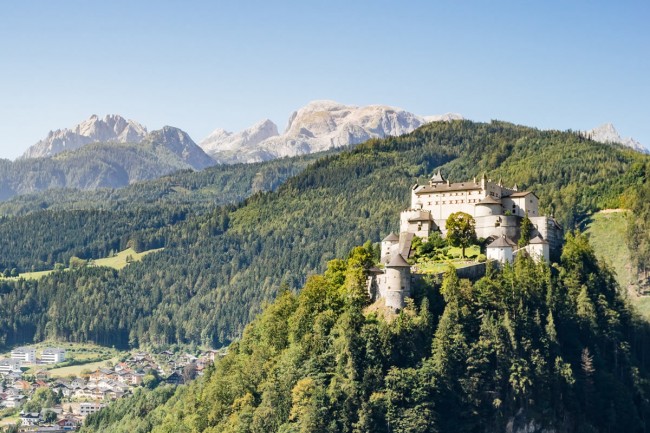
36,398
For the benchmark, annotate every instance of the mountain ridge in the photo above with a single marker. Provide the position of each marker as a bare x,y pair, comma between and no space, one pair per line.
110,128
318,126
104,164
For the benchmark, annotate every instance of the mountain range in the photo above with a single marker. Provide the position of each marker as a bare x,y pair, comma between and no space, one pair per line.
112,152
318,126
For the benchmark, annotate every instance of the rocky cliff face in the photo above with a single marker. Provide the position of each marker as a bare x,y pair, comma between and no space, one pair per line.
112,128
607,133
319,126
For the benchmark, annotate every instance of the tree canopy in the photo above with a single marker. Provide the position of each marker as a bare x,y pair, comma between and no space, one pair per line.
461,230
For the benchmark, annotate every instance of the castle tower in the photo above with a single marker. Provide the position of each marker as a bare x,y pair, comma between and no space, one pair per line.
501,250
388,243
397,282
488,206
538,249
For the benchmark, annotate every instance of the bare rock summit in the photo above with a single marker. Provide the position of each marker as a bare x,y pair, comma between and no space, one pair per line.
318,126
607,133
112,128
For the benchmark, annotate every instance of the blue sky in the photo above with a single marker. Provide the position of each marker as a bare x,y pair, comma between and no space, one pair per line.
203,65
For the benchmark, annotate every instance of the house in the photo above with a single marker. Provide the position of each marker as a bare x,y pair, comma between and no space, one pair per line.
30,419
68,423
53,355
22,385
24,354
86,409
10,366
175,379
14,401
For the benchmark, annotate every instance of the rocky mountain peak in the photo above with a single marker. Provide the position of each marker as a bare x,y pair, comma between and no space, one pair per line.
320,125
179,142
220,140
607,133
112,128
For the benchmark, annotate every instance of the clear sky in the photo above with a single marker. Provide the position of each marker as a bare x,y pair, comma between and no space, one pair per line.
204,65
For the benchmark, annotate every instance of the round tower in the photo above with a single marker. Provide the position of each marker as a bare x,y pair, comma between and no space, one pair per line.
387,244
398,282
488,206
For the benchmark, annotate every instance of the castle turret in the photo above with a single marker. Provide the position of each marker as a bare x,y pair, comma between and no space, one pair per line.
538,248
397,282
388,243
488,206
501,250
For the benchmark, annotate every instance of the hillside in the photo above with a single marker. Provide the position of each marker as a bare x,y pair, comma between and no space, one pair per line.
218,268
528,348
50,227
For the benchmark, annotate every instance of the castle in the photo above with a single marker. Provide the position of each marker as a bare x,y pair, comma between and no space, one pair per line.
497,212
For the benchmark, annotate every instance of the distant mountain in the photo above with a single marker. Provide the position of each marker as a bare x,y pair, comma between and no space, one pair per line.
112,128
181,145
104,165
225,145
607,133
319,126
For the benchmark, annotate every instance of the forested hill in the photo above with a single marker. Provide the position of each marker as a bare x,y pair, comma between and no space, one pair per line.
218,268
526,349
217,185
53,226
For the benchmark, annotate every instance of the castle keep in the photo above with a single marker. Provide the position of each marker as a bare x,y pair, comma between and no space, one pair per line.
497,211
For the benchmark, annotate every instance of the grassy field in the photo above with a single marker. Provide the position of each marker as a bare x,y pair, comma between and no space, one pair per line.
436,267
607,236
76,370
118,261
123,258
92,356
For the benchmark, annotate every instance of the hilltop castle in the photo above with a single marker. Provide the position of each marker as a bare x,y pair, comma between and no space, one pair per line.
497,211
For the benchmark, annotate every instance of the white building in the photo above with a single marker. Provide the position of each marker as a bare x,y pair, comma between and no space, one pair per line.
53,355
10,366
24,354
86,409
496,209
501,250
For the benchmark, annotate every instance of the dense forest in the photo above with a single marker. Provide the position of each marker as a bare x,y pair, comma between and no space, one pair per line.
218,185
60,224
526,347
221,264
